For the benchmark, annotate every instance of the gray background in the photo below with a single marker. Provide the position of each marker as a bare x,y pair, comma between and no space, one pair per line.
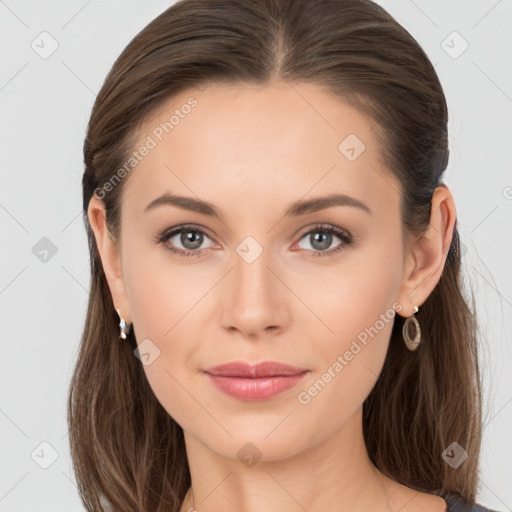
45,105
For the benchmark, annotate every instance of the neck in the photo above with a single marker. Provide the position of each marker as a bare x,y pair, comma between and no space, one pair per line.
334,474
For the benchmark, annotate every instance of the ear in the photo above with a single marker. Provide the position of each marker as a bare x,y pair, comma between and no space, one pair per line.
110,256
426,257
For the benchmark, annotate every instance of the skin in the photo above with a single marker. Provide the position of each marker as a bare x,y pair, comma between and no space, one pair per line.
251,152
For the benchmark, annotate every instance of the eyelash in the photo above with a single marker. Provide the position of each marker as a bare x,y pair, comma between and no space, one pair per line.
344,236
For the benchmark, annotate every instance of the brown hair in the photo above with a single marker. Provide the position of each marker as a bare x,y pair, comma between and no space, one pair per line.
128,453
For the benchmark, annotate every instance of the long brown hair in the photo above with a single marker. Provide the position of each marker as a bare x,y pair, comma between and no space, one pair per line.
128,453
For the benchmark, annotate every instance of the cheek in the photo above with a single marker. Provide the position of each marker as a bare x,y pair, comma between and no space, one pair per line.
162,329
354,295
160,291
358,306
166,308
348,368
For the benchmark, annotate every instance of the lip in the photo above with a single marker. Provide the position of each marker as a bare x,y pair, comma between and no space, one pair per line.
255,382
264,369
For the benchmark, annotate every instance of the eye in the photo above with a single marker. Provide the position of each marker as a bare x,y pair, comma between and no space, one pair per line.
190,237
321,237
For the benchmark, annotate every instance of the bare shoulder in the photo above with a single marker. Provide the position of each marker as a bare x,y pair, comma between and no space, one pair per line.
425,502
404,499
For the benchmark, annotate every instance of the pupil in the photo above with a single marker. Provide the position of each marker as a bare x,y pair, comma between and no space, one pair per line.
325,240
188,237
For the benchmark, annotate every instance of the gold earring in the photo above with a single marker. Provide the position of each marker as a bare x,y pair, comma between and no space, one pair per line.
124,327
412,342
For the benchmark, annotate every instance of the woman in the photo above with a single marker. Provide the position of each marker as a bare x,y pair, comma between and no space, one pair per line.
273,244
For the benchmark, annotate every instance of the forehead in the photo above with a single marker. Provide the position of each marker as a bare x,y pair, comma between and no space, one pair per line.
279,142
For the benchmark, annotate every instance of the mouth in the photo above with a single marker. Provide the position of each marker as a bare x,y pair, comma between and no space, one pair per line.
246,370
255,382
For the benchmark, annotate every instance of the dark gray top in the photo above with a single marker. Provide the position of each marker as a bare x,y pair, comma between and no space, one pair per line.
455,504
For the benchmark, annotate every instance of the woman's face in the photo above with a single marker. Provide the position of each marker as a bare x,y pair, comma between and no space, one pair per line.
261,283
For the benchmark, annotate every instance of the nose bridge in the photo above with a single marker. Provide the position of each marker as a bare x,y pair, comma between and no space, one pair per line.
253,281
251,273
254,298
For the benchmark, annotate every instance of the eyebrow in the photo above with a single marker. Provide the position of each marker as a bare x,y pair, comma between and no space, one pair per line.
298,208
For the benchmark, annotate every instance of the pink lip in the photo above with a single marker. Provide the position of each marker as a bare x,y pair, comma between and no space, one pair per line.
255,382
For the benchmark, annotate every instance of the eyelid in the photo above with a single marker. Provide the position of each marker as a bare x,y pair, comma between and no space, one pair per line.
320,226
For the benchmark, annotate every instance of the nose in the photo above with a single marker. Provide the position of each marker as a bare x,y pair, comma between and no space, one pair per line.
255,302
